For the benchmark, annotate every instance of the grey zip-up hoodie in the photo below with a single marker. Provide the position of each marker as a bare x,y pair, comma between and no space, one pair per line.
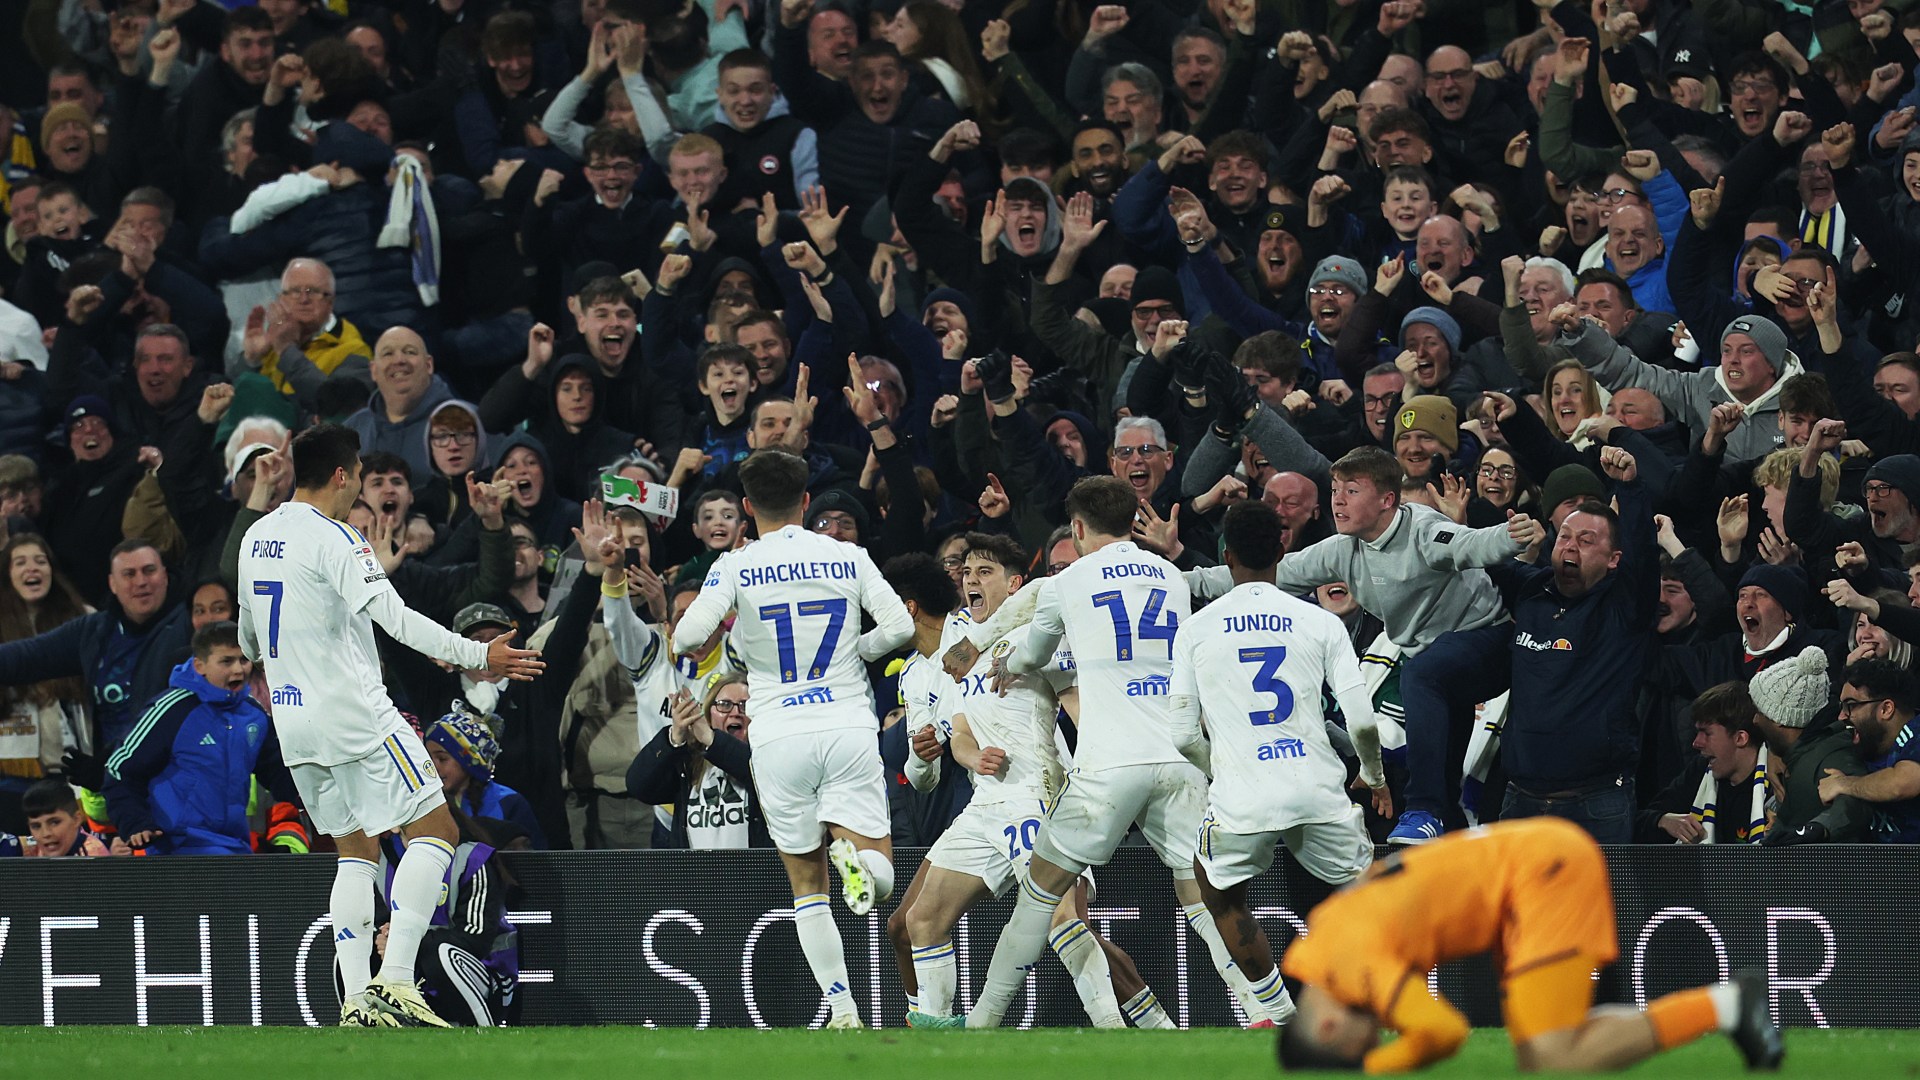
1688,395
1422,578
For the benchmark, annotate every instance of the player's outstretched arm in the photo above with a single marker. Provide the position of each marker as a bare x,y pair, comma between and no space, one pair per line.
423,635
1034,649
711,605
892,623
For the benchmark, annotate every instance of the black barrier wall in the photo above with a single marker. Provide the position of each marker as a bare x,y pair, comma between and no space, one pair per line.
705,939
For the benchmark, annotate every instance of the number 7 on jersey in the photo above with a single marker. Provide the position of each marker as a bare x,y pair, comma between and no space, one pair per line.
273,591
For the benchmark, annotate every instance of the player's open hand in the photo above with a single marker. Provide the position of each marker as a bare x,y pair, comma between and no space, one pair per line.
1380,798
520,665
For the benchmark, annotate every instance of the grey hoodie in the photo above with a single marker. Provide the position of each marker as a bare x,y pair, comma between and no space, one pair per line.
1422,578
1689,396
481,463
408,438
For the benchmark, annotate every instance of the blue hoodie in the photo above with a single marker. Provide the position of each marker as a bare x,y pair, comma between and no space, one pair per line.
187,768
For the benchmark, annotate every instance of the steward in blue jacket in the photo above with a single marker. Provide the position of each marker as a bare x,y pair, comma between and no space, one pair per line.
1583,630
181,783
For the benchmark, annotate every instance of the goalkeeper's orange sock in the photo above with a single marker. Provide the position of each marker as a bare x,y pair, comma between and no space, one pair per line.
1682,1017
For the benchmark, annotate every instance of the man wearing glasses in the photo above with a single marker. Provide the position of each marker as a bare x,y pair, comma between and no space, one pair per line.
1471,123
297,341
1878,702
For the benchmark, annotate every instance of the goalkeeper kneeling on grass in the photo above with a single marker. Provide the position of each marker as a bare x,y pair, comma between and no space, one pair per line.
469,961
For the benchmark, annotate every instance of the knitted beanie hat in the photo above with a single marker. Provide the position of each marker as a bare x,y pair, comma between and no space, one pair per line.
1791,692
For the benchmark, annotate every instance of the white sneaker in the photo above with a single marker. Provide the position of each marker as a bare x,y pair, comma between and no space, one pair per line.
844,1021
357,1011
401,1002
856,885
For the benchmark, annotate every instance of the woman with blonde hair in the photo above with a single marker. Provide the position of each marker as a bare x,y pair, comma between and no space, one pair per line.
702,765
1572,398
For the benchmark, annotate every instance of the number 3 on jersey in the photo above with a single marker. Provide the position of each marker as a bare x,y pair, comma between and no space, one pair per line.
1267,681
273,591
1151,628
782,616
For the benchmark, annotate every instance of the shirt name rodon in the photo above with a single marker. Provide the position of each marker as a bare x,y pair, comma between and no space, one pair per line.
1127,570
785,572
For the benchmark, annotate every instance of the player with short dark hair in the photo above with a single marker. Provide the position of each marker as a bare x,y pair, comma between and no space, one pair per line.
799,596
1252,664
311,591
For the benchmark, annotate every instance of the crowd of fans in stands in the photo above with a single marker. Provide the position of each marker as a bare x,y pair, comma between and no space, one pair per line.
1647,271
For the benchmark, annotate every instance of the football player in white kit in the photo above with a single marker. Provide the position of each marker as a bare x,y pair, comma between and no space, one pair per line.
1118,607
797,598
1261,657
1003,732
311,590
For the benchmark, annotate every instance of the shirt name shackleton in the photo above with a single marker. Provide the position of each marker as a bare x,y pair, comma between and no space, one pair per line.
781,573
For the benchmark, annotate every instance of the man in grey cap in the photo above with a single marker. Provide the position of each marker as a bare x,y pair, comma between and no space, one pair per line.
1754,362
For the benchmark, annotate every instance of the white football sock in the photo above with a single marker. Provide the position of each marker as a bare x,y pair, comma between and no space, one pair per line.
1145,1011
354,882
937,970
1080,951
1726,1005
416,893
820,941
1021,943
1202,923
880,868
1275,1003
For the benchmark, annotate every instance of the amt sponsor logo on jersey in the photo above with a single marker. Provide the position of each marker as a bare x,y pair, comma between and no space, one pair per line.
288,694
819,695
1282,748
1151,686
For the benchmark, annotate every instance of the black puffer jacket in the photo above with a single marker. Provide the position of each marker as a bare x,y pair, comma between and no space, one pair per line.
373,286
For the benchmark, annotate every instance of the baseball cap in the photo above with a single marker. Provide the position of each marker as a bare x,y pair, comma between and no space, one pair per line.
482,615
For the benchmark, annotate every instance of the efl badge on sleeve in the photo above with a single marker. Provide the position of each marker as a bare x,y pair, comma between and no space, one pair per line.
657,501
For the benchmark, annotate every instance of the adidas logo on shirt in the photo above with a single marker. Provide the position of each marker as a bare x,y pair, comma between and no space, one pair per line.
207,740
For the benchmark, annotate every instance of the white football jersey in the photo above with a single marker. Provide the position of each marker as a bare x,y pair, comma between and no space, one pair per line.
797,598
309,590
1119,609
1020,723
643,651
1256,659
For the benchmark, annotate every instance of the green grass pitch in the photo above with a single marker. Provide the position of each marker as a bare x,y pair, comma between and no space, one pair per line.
603,1052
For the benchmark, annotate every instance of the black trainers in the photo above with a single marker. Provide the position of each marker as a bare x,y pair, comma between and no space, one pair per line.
1755,1035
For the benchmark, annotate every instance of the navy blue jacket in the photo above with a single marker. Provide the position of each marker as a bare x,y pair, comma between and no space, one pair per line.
188,767
77,647
373,286
1577,665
